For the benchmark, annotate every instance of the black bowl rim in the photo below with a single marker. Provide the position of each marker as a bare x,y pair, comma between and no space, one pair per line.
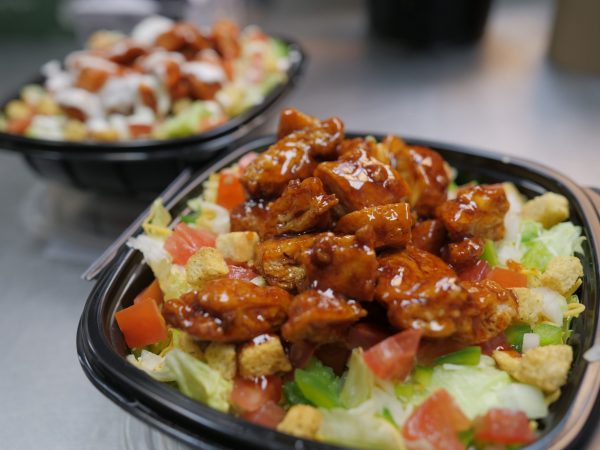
202,427
234,129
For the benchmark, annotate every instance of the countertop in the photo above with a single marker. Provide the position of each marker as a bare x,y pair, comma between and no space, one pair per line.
501,95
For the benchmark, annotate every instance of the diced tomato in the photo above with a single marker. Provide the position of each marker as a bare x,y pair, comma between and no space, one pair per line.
153,292
18,126
393,358
142,324
429,350
476,272
507,278
436,421
139,129
241,273
249,395
365,335
185,241
503,426
230,192
496,343
268,415
246,160
300,353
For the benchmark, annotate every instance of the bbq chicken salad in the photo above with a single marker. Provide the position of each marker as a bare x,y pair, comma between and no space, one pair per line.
349,291
165,80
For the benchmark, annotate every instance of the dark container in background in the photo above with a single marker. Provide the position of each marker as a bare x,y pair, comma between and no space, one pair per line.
423,23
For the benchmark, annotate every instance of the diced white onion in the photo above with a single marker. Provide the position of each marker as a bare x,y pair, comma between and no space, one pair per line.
554,304
530,340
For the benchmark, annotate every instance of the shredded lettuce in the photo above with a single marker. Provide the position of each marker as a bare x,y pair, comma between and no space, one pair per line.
318,384
359,381
185,123
171,277
198,380
158,220
154,365
210,216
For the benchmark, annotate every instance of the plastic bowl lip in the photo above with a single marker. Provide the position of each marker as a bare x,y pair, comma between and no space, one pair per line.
199,425
139,149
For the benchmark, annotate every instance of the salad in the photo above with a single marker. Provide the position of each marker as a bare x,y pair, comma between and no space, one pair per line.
355,292
165,80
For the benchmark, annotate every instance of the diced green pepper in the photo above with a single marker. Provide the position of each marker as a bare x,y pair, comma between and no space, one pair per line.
190,218
404,391
489,253
549,334
514,335
468,356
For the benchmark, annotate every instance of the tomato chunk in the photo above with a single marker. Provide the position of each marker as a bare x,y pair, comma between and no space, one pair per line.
153,292
268,415
185,241
476,272
241,273
142,323
436,421
230,192
249,395
393,358
507,278
503,426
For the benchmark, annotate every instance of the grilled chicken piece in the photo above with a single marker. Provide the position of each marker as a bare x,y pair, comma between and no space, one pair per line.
225,35
250,216
277,260
464,254
303,206
490,309
229,310
388,224
429,235
360,181
320,317
425,172
477,211
185,38
421,292
342,263
291,120
293,157
125,52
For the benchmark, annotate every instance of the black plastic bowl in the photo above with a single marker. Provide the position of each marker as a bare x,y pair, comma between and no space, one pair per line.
142,167
102,351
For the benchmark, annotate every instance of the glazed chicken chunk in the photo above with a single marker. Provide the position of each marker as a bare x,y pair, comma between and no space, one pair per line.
250,216
425,172
320,317
294,157
490,309
384,225
464,254
477,211
341,263
291,120
421,292
360,181
229,310
278,261
303,206
429,235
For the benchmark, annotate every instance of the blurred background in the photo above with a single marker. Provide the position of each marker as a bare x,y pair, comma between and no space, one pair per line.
520,77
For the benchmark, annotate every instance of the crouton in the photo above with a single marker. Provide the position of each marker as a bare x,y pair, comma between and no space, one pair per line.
563,274
221,357
545,367
205,265
302,421
530,305
548,209
238,246
263,357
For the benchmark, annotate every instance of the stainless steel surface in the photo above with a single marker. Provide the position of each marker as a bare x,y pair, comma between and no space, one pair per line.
108,255
502,95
